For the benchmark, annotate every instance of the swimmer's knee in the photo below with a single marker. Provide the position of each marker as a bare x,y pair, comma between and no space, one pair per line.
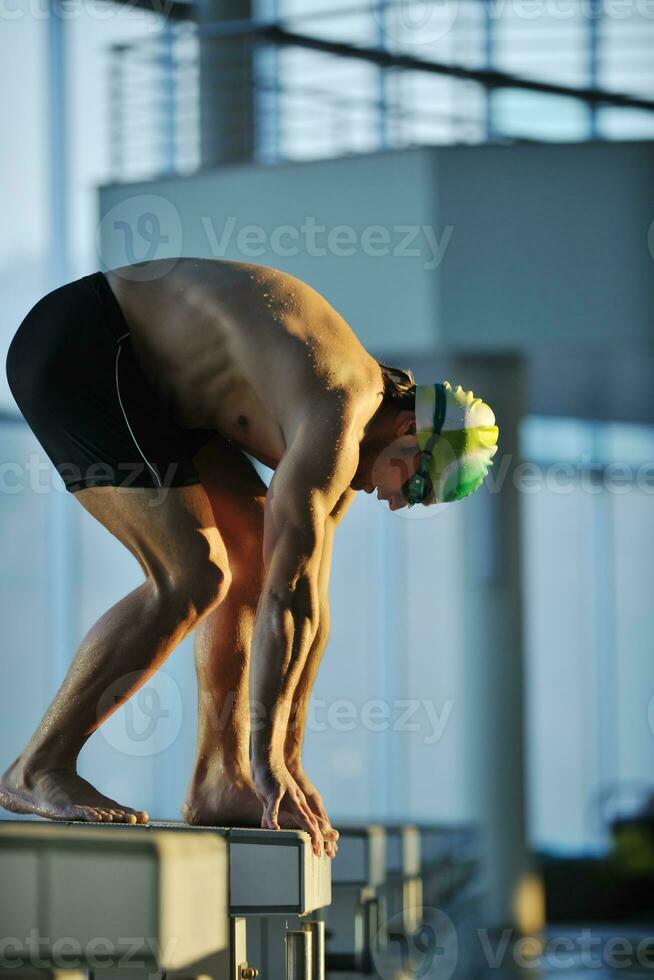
197,586
194,592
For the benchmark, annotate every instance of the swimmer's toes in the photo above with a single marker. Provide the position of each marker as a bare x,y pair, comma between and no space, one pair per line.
122,816
86,813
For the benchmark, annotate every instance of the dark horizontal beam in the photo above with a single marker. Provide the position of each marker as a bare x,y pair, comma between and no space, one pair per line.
488,79
252,30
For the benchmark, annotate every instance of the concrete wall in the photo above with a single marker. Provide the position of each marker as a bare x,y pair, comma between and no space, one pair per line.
342,225
550,248
544,250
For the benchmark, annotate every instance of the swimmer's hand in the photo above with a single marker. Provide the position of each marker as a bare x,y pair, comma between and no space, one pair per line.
284,803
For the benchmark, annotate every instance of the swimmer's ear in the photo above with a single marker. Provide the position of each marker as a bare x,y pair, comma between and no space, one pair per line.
405,424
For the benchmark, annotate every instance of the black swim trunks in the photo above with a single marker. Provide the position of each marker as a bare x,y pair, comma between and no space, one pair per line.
75,378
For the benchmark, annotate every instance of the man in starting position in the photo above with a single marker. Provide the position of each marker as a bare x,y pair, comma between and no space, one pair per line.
146,387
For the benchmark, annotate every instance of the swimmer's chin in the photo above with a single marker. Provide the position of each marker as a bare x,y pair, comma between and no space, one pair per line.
358,483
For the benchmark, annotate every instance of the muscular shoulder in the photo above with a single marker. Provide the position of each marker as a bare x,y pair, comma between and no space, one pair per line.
323,453
327,425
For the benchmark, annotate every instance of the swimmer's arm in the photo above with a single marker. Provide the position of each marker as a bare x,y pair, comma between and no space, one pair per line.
302,694
308,483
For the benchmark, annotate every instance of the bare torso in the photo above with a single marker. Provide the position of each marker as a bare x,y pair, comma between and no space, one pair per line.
243,349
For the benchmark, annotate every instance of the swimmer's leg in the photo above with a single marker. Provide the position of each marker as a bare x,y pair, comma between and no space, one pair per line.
176,542
221,791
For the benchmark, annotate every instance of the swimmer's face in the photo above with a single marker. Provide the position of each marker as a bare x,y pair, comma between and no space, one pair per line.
392,468
389,459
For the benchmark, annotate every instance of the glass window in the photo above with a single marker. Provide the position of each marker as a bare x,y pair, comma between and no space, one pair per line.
587,538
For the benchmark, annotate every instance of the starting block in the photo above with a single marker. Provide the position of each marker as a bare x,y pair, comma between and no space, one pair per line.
403,890
158,899
354,919
396,888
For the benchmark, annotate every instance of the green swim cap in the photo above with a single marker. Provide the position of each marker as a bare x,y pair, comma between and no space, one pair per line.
459,432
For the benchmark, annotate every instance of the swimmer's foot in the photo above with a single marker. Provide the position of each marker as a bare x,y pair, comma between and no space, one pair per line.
221,799
60,794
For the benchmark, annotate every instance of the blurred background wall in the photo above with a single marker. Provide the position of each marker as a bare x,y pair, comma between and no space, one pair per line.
470,185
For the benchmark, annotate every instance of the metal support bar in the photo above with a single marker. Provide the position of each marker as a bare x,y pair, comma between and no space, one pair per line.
317,930
489,60
60,548
238,947
169,86
594,25
298,954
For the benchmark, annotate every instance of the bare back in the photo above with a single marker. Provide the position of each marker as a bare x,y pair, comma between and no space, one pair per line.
243,349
